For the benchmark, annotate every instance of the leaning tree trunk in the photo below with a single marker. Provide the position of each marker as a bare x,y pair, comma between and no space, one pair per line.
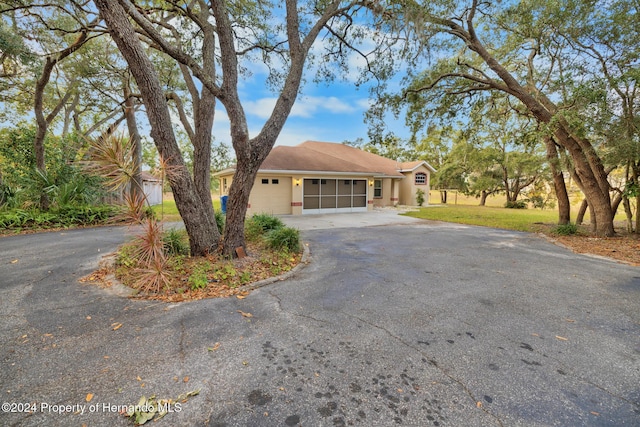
582,211
202,231
587,164
136,190
560,187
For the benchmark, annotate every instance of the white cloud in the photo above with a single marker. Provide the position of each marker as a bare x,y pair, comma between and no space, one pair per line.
305,106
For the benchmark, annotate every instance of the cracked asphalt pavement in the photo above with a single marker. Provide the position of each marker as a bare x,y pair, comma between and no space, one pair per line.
416,324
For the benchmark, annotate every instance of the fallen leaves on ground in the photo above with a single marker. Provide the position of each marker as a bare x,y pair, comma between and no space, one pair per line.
624,247
225,277
98,277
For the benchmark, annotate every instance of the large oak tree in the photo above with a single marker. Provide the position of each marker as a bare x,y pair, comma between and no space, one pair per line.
281,35
478,47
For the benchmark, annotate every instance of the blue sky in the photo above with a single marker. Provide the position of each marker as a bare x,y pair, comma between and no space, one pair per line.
331,112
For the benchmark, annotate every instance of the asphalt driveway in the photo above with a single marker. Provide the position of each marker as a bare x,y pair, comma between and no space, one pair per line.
416,324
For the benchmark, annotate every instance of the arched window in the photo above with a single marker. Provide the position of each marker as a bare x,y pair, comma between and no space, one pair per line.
421,178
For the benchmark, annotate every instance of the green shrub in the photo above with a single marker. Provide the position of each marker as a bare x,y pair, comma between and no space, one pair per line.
7,195
565,229
259,224
419,197
267,222
63,216
84,215
220,220
518,204
286,238
175,242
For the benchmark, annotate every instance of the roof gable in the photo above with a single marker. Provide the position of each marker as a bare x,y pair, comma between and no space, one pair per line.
411,166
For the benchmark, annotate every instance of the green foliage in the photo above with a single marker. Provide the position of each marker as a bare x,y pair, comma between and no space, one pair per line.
259,224
631,190
175,242
220,220
64,181
518,204
565,229
225,273
126,256
419,196
245,277
540,201
199,277
65,216
284,238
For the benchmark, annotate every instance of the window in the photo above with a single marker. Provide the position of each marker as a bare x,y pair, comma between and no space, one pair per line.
377,189
265,181
421,178
224,185
275,181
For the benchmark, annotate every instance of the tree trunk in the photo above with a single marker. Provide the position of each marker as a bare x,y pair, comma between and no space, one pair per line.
136,191
202,149
483,197
588,166
202,231
593,224
38,107
560,187
635,171
629,213
582,211
237,203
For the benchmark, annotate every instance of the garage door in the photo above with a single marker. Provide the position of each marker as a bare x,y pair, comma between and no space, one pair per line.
334,195
271,195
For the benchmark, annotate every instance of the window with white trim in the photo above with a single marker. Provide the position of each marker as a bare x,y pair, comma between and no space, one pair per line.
421,178
377,189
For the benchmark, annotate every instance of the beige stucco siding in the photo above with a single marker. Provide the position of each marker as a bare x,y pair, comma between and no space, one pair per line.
389,193
408,186
271,194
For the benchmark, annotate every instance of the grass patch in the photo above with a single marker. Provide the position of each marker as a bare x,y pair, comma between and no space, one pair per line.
168,211
529,220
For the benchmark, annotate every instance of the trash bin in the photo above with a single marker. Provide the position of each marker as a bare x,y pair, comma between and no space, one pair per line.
223,204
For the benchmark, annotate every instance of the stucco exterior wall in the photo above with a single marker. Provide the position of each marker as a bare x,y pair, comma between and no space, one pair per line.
408,187
390,188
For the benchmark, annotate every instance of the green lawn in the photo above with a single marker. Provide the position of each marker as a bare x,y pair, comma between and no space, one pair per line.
511,219
168,211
